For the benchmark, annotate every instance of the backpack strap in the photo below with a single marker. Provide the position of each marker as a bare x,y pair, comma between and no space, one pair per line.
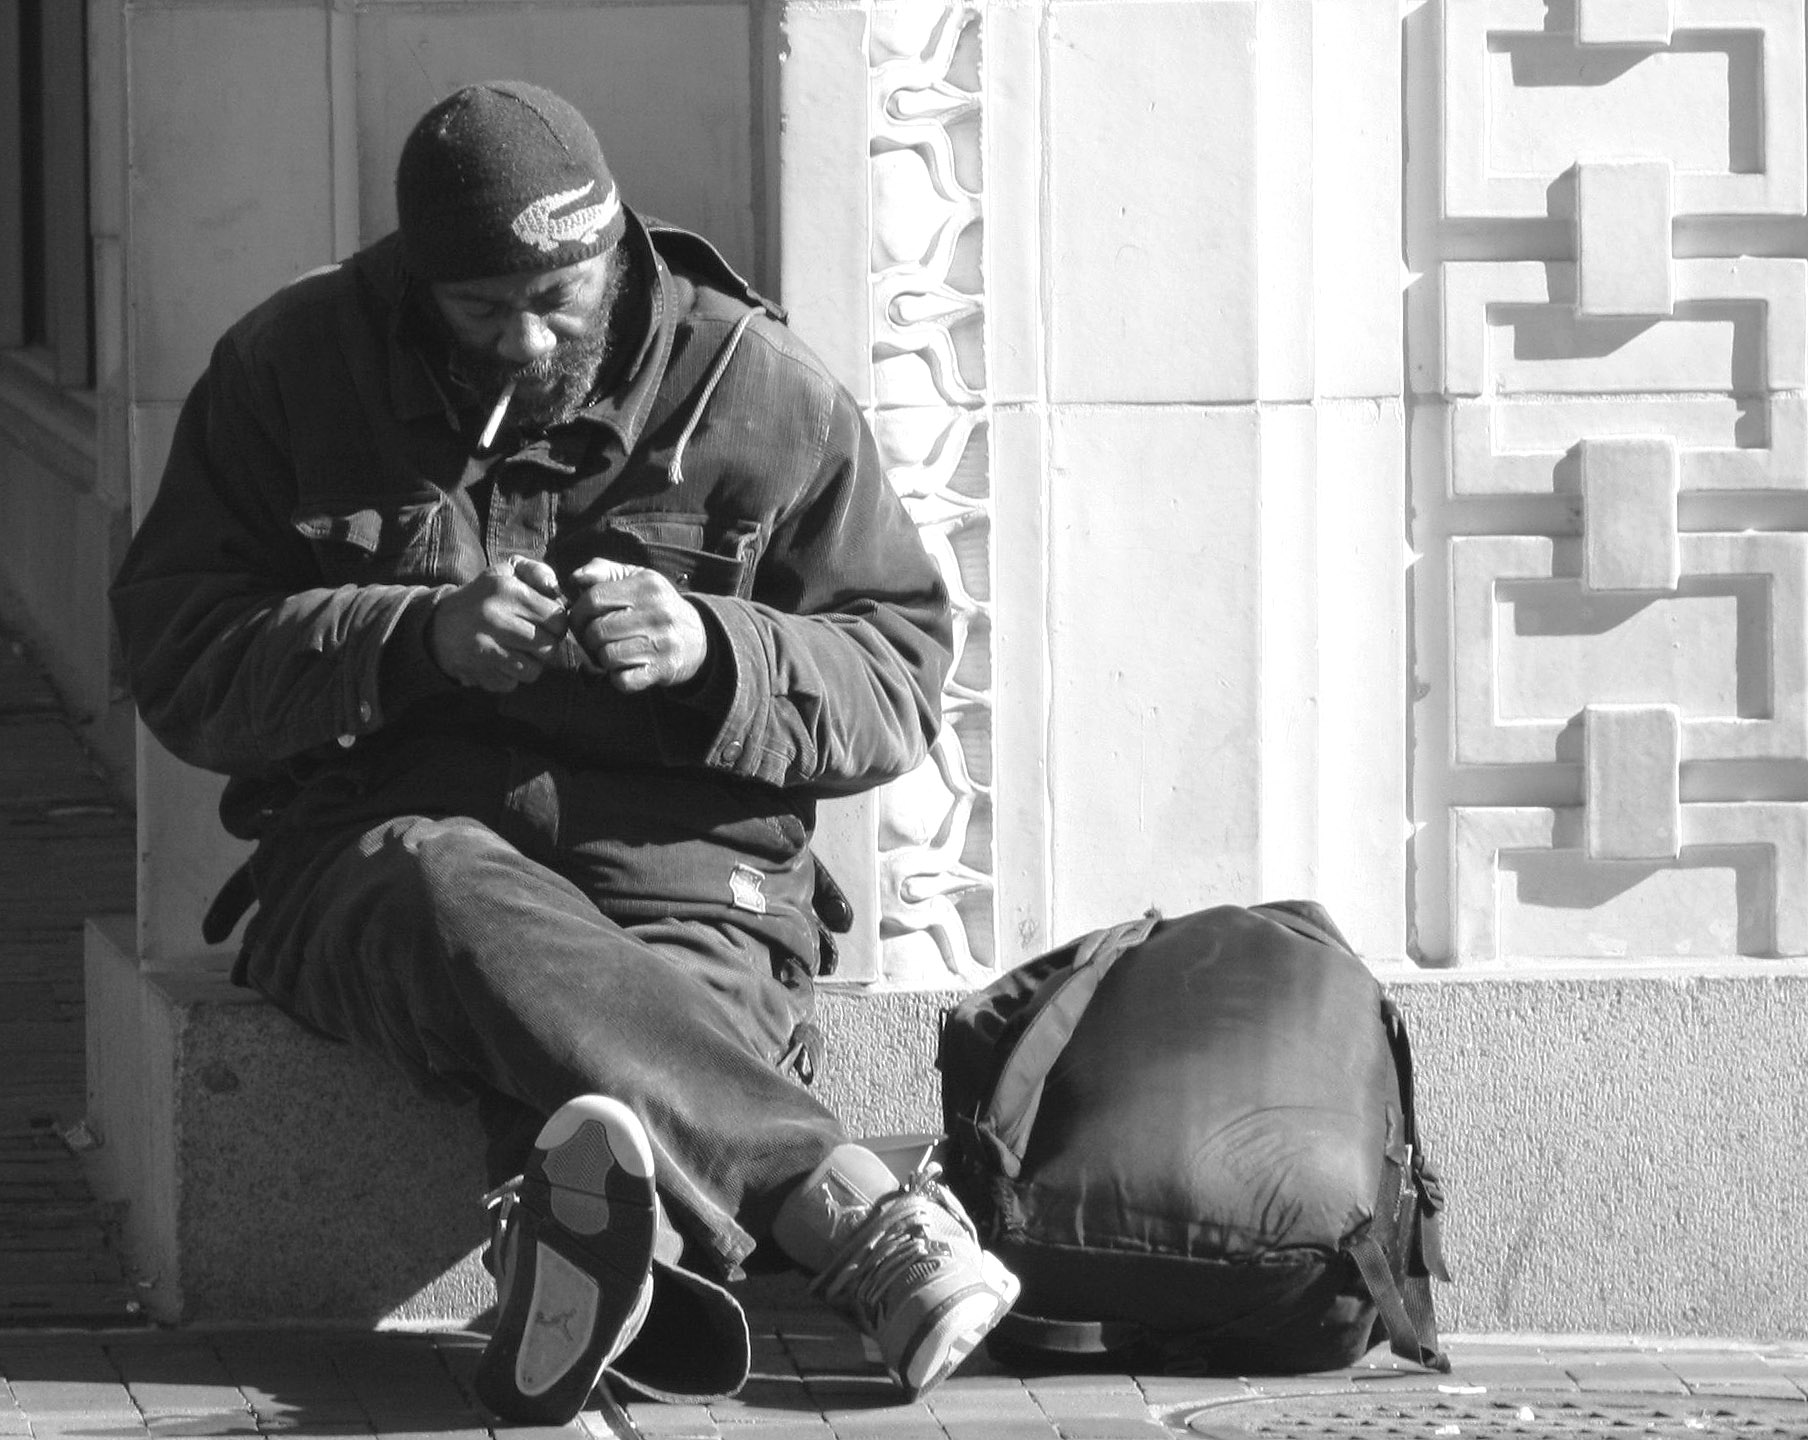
1009,1114
1403,1303
1428,1251
1402,1295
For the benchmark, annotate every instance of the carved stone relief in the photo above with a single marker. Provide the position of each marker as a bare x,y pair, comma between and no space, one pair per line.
1608,479
929,416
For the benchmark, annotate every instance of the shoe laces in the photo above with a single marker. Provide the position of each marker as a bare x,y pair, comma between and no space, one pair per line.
503,1200
892,1241
501,1203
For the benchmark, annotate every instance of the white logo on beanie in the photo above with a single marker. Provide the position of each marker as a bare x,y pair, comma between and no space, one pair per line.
539,227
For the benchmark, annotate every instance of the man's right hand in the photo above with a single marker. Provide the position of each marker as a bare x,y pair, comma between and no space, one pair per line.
498,631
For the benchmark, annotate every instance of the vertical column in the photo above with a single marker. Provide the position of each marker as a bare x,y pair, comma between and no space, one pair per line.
199,256
930,415
1134,364
882,182
1014,72
824,243
65,231
1154,457
12,297
1331,478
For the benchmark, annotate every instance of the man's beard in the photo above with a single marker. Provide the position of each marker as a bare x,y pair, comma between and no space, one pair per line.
552,389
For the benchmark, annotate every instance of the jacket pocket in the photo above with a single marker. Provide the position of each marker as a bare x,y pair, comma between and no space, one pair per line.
364,540
687,549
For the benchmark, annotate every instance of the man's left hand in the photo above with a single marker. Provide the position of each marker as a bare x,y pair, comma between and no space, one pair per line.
636,626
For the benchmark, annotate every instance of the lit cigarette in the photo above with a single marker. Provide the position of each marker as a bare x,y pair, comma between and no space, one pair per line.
494,423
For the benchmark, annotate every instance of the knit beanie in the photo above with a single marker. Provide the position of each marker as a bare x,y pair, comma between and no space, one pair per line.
500,178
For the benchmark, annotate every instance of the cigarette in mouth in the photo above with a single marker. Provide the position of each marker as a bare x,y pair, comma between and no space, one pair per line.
494,423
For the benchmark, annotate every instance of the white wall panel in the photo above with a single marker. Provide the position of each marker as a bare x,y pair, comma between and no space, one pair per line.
231,174
1154,660
1152,202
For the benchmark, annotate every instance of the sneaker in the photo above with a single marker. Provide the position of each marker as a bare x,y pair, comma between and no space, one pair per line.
906,1264
573,1256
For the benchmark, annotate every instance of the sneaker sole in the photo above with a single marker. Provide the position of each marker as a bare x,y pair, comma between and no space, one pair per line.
579,1292
951,1334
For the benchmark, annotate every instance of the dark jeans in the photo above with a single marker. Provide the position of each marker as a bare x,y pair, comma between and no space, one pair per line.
467,952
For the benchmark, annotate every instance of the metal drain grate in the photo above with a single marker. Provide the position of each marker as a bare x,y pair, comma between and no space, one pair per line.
1499,1414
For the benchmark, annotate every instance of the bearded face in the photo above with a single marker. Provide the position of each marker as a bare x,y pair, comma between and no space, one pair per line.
547,331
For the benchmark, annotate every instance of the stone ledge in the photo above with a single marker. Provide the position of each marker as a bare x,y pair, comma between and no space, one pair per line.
1623,1146
1622,1149
271,1174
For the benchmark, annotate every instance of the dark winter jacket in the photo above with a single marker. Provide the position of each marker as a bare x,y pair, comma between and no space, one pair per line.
324,487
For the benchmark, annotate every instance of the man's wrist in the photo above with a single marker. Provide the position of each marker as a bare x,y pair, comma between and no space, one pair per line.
409,670
711,687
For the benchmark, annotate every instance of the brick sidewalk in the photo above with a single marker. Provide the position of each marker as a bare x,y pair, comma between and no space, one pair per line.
66,852
812,1379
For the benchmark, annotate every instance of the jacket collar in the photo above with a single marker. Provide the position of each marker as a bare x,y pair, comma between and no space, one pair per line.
626,406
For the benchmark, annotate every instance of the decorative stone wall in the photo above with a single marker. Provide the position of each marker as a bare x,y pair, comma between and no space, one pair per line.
1606,355
929,414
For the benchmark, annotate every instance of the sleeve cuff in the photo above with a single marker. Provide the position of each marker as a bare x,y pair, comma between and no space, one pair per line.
407,672
711,690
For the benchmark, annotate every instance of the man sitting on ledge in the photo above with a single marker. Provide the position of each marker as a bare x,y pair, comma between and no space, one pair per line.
531,583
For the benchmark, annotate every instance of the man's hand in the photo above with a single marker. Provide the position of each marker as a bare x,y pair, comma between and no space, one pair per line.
638,629
498,631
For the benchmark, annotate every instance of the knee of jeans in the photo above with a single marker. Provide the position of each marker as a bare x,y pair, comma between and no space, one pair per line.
461,873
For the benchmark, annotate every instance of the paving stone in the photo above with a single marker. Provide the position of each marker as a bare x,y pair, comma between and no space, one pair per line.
160,1399
178,1379
202,1422
773,1393
60,1398
1796,1375
90,1427
1328,1384
978,1429
1779,1388
1039,1385
970,1381
344,1417
1063,1405
1507,1371
735,1412
1615,1374
674,1422
1730,1373
878,1425
1168,1391
955,1401
767,1355
850,1392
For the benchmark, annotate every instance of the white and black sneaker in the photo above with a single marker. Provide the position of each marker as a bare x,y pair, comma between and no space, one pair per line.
903,1262
573,1255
